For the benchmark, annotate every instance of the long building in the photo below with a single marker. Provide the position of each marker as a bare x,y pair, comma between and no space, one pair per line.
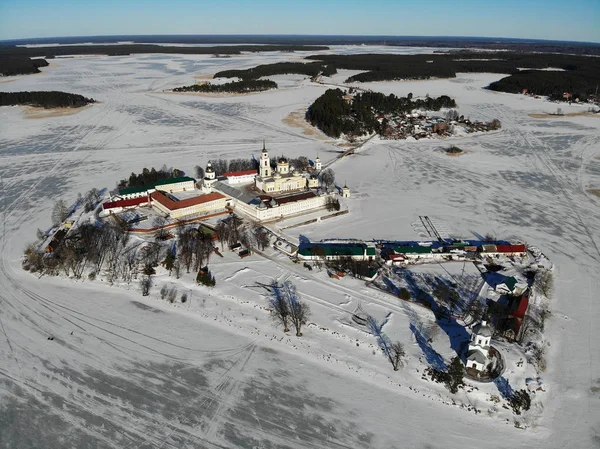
179,208
180,184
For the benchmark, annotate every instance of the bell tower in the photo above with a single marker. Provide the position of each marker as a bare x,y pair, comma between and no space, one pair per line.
265,163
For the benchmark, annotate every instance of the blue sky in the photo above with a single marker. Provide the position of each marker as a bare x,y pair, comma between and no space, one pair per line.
576,20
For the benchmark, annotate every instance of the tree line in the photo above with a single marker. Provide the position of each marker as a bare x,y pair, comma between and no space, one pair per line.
64,50
249,85
311,69
548,83
20,65
579,77
334,115
44,99
149,177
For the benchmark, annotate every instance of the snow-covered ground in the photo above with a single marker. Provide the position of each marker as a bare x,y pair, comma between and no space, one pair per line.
125,371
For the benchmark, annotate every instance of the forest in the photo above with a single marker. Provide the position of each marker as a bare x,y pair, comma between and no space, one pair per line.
149,177
44,99
311,69
249,85
553,84
64,50
578,75
333,115
20,65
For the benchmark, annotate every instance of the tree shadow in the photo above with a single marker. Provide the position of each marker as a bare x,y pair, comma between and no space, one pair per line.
435,360
504,387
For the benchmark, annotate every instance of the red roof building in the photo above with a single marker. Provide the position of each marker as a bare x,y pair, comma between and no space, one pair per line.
182,204
125,203
234,174
511,249
521,307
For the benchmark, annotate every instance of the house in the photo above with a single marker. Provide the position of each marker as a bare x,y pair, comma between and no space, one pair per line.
56,240
244,253
285,247
510,286
240,177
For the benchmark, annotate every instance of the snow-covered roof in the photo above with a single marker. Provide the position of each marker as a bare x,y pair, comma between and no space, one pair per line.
482,329
477,356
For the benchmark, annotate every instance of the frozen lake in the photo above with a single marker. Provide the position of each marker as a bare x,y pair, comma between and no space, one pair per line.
127,372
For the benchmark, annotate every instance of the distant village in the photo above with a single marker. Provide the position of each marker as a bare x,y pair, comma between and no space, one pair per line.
417,125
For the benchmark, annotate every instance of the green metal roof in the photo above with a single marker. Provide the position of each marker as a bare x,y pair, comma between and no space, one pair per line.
330,250
174,180
511,282
130,190
412,249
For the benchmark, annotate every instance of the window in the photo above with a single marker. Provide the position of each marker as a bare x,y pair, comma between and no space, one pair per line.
479,342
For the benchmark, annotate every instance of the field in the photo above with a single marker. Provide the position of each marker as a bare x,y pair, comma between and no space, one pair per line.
126,371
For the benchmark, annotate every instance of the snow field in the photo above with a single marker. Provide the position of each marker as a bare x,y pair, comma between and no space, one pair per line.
203,373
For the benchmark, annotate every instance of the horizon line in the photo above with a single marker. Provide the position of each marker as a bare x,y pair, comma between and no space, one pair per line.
371,36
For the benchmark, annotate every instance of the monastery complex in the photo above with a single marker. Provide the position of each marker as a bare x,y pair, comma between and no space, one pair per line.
266,193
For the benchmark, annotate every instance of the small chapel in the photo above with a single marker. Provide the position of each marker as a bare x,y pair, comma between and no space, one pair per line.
478,356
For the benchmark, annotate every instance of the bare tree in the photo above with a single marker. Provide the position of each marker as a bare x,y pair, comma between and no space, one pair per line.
145,285
172,295
199,172
261,236
60,212
160,232
332,204
396,355
164,290
544,282
327,178
280,310
299,310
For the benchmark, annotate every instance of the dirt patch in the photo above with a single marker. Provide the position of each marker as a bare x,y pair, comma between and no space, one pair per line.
570,114
296,120
462,153
209,94
7,81
203,78
595,192
35,113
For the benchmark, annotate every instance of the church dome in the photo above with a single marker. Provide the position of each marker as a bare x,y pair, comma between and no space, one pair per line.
296,173
482,329
282,160
277,175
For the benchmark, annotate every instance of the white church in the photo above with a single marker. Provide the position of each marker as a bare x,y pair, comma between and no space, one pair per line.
478,357
284,180
267,194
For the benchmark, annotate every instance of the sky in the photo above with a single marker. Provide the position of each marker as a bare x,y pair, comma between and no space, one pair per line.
573,20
